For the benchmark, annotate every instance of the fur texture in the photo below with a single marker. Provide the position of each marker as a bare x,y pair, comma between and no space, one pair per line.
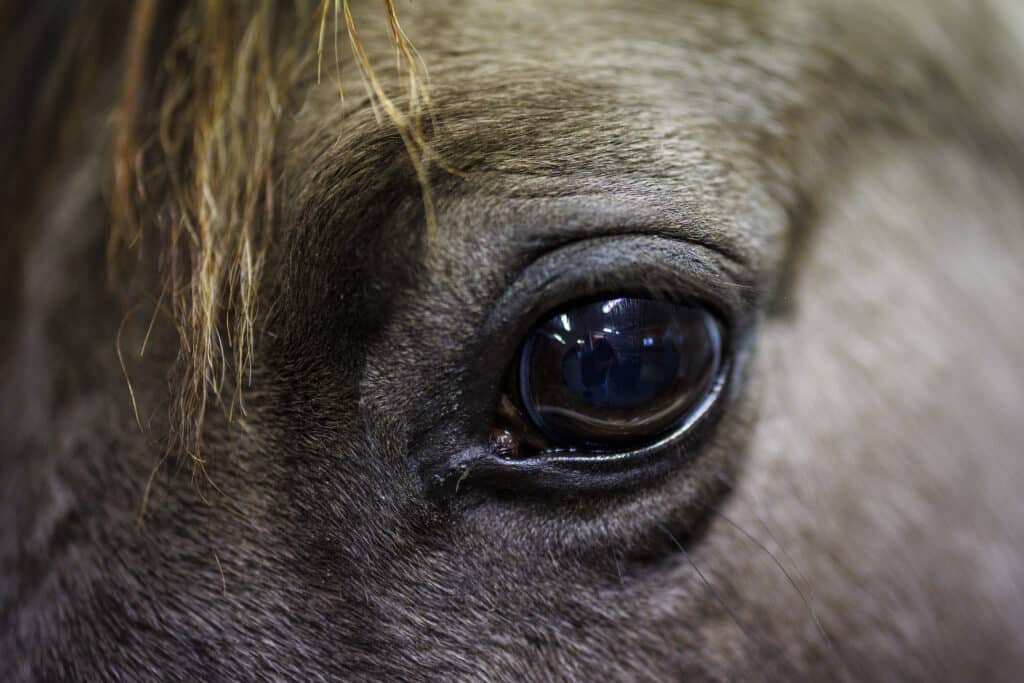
845,180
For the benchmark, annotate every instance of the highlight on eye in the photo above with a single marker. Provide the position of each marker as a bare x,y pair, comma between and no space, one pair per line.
618,372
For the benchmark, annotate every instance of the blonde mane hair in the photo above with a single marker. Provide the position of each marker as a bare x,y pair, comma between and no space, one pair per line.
196,133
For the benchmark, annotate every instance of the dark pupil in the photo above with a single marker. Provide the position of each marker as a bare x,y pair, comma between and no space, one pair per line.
626,371
618,371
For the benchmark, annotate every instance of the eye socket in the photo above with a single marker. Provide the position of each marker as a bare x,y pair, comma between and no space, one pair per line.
618,372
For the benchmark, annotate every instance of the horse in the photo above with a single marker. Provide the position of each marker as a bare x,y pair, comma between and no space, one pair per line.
660,340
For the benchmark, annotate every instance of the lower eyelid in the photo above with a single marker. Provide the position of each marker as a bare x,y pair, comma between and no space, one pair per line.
566,472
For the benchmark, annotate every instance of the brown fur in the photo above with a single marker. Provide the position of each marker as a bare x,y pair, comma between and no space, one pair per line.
222,81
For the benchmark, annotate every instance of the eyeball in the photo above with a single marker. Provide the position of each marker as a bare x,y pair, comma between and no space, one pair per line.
618,372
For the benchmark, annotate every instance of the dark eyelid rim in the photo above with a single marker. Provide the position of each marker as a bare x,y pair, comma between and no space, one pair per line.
561,471
634,263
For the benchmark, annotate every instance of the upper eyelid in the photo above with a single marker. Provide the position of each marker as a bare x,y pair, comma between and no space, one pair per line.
543,223
734,263
620,262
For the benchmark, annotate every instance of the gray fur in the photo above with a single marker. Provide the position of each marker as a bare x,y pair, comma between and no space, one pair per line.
846,177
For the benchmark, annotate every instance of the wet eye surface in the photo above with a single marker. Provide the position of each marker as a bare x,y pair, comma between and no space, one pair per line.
618,372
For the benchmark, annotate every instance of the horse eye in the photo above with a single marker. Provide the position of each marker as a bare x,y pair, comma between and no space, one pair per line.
618,372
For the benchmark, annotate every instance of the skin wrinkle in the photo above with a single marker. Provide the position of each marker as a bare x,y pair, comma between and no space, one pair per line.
872,449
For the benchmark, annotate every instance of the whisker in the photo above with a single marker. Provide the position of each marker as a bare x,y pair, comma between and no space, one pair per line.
804,598
707,584
618,568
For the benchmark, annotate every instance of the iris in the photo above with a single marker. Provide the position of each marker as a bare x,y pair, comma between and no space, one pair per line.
618,372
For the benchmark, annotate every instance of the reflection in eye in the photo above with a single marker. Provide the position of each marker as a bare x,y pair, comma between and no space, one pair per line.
618,372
